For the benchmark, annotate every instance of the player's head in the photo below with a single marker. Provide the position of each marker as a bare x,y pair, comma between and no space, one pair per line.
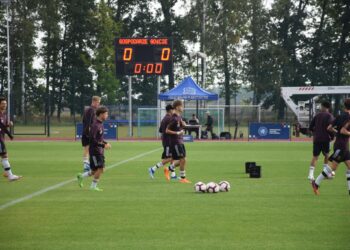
169,109
347,104
207,113
3,103
194,115
102,113
95,101
178,106
325,106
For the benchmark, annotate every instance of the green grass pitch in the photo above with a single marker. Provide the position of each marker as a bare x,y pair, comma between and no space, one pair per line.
278,211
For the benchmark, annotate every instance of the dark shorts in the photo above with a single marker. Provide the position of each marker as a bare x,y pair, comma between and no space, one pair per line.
85,140
178,151
340,155
166,152
97,161
319,147
3,150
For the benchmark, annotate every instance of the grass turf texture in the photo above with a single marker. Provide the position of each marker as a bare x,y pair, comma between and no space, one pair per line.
278,211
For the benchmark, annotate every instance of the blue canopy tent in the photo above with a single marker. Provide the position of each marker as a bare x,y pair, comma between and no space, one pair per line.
188,90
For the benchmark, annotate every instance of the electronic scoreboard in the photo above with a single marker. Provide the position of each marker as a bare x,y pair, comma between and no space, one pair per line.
144,56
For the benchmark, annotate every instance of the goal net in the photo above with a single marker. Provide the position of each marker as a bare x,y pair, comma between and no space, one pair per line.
238,117
147,122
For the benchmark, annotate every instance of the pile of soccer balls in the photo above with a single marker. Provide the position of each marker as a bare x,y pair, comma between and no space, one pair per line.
212,187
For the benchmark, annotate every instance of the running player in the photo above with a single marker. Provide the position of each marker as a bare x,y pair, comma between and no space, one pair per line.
96,149
321,137
166,156
176,132
88,118
4,125
341,148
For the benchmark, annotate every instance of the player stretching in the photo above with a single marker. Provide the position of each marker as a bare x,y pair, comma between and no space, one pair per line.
166,156
175,130
96,149
341,148
88,118
321,137
4,125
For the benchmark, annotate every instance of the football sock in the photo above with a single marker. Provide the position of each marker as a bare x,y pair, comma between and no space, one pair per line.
86,174
158,165
327,171
348,178
86,164
86,160
94,183
311,171
171,168
7,167
183,174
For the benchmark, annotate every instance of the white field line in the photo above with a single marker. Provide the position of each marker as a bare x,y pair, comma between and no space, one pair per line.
63,183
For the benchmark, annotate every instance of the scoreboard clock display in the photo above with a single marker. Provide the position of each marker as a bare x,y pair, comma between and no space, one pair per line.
144,56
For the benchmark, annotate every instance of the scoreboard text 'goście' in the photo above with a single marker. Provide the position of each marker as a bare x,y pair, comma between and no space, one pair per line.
144,56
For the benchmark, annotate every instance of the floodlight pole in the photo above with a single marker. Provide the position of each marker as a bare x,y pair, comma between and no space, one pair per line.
130,107
158,105
8,61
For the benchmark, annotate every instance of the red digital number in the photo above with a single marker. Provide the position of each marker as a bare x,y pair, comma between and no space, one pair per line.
158,69
138,67
165,54
127,54
149,68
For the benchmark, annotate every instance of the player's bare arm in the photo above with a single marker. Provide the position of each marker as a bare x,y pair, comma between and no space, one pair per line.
344,131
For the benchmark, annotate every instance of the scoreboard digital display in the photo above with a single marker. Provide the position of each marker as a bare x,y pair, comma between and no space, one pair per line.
144,56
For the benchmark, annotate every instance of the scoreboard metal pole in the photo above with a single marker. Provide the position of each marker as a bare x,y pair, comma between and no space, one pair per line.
130,106
158,105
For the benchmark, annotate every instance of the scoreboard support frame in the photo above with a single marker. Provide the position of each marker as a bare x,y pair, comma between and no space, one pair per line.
130,106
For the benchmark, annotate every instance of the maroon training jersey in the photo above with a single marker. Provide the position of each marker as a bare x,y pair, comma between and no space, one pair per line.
175,125
319,125
97,142
5,122
88,119
342,141
163,125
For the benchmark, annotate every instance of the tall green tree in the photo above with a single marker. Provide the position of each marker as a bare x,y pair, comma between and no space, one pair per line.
80,28
104,56
23,50
49,13
228,23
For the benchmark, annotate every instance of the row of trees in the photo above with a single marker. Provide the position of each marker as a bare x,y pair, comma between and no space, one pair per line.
291,43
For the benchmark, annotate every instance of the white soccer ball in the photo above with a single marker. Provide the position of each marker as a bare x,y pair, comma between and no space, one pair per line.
212,187
200,187
224,186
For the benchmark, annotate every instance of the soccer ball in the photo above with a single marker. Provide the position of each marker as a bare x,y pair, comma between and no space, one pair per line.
224,186
200,187
212,187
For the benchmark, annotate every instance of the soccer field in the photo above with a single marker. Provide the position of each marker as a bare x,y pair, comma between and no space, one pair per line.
278,211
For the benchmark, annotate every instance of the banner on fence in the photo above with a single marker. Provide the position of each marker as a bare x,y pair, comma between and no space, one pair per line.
269,131
110,130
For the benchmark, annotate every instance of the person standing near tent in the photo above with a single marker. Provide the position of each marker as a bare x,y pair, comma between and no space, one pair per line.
209,124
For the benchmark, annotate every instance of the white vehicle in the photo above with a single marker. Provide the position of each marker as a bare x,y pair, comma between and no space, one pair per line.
304,110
